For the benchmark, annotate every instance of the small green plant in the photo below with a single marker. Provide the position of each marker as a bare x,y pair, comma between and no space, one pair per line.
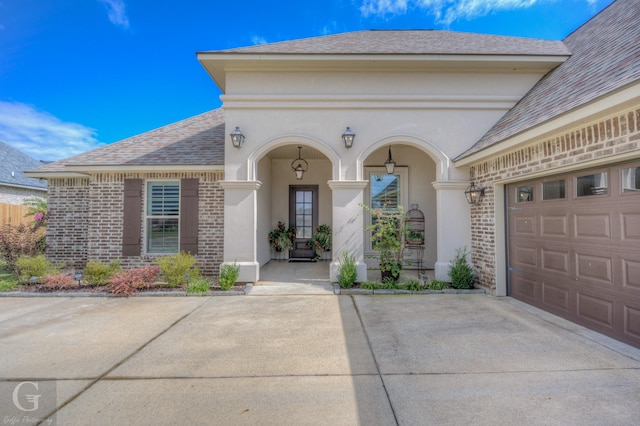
281,238
33,266
413,285
370,285
347,270
321,240
388,283
461,273
198,285
179,268
437,285
229,274
8,285
98,273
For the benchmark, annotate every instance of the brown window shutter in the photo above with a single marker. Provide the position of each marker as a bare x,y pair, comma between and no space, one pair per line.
132,222
189,216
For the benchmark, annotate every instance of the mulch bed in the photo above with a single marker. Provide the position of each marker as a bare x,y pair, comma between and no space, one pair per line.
154,288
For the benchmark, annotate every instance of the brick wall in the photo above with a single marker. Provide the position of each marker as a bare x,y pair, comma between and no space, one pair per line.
92,212
605,139
67,204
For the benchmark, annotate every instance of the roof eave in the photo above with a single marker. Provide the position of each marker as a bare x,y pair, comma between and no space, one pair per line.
217,64
630,95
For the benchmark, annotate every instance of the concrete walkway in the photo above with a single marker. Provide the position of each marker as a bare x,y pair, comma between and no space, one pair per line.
308,359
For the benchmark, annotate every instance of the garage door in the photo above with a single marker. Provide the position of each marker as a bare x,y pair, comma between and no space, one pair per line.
574,247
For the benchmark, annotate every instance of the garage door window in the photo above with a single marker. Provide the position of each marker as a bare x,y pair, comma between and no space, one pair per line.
631,179
525,194
595,184
553,190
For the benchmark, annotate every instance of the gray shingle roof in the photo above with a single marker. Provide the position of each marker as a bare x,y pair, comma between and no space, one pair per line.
423,42
16,162
605,57
197,140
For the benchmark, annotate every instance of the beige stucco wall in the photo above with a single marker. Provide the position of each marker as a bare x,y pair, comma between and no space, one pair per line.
428,118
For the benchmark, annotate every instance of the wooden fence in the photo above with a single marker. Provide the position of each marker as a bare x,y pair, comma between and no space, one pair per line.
13,214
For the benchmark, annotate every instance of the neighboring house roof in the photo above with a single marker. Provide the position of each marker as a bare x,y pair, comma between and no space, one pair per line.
12,168
197,140
416,42
605,58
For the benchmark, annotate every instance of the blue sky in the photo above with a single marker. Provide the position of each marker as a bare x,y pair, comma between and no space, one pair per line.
76,74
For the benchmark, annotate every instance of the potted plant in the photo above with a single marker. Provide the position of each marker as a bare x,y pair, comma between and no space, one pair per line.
281,238
387,229
321,240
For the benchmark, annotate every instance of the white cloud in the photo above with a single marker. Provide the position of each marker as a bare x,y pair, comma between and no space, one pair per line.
116,12
42,135
446,11
383,7
258,40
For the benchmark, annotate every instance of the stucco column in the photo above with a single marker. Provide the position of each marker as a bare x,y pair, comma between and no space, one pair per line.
348,224
240,222
454,223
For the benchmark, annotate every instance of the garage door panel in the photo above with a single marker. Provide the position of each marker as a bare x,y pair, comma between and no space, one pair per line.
630,226
594,267
592,226
524,289
631,274
525,256
555,261
593,308
556,297
524,226
554,226
632,322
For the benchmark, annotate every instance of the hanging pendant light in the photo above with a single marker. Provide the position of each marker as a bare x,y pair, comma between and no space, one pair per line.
390,164
299,165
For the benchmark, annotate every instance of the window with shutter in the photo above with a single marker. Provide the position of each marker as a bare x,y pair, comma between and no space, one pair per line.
163,217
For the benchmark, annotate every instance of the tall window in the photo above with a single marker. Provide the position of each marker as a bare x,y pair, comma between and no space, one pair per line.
386,192
163,216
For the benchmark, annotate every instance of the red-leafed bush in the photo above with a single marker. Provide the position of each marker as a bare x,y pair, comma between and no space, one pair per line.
57,282
20,240
128,282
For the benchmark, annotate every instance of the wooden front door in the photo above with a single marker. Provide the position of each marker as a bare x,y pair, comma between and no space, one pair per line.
303,214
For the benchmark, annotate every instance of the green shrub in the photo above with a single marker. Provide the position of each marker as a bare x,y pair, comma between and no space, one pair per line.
347,270
18,241
7,285
437,285
229,274
461,273
35,266
98,273
176,268
389,283
413,285
370,285
198,285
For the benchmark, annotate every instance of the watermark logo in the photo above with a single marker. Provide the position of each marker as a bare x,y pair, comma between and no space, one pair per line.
32,399
29,402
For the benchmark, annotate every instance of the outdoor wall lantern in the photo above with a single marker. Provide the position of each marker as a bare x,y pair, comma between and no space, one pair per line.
299,165
237,138
390,164
474,194
348,136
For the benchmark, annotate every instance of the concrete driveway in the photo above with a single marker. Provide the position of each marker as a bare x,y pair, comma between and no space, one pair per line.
308,359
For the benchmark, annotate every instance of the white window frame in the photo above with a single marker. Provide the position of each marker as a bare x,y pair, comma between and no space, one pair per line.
403,173
148,216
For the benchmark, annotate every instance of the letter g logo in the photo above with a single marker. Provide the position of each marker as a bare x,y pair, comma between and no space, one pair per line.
33,399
